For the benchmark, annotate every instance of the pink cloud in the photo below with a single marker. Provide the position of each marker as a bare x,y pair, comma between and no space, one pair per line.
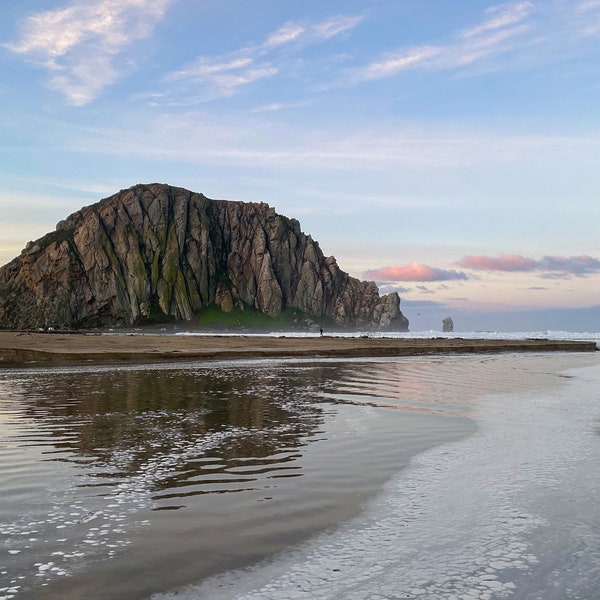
414,272
506,262
550,266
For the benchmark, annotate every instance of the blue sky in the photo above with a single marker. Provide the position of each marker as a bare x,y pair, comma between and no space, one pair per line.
446,149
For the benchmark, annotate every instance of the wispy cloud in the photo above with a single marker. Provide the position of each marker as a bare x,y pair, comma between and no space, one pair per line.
251,139
517,32
290,32
394,63
414,272
78,44
415,305
550,267
589,13
277,106
206,67
223,76
387,288
424,289
304,33
495,35
499,18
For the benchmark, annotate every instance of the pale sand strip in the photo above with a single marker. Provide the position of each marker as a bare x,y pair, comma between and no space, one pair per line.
36,349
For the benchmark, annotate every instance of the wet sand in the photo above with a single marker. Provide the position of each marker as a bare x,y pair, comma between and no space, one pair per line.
22,349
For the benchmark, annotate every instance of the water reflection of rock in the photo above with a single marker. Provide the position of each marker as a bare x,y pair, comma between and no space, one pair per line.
121,421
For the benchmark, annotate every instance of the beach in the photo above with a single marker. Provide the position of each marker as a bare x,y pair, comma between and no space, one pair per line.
21,349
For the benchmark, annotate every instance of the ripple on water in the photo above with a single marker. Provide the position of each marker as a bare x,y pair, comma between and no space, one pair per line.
485,517
93,461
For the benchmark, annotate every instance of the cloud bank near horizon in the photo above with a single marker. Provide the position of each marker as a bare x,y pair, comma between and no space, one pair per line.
548,267
414,272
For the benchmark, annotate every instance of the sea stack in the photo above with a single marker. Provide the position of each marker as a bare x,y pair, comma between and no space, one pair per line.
155,252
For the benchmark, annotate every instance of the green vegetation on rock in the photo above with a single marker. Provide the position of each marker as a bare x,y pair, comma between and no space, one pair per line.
249,319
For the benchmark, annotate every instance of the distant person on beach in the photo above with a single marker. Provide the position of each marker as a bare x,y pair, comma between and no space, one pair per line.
321,330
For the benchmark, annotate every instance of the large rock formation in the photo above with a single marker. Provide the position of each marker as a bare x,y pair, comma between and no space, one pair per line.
156,251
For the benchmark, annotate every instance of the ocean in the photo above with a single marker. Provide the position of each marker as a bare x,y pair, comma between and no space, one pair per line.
471,476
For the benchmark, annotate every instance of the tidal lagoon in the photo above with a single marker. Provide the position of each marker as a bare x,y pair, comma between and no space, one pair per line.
405,477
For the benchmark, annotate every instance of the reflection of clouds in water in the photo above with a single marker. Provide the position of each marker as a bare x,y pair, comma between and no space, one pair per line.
446,386
468,520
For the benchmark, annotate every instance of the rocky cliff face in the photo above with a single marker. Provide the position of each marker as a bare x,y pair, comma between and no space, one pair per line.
155,250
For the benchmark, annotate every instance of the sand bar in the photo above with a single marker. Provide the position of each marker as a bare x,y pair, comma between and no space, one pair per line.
19,349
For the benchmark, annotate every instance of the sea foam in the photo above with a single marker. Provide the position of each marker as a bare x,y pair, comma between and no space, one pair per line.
490,516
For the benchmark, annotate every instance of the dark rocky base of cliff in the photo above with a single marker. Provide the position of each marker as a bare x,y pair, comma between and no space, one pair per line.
208,319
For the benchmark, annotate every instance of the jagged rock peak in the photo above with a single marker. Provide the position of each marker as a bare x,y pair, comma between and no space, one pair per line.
155,251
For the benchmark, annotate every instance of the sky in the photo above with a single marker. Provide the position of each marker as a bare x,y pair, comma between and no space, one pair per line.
446,149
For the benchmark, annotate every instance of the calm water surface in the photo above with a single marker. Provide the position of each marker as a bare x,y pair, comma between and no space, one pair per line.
126,482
